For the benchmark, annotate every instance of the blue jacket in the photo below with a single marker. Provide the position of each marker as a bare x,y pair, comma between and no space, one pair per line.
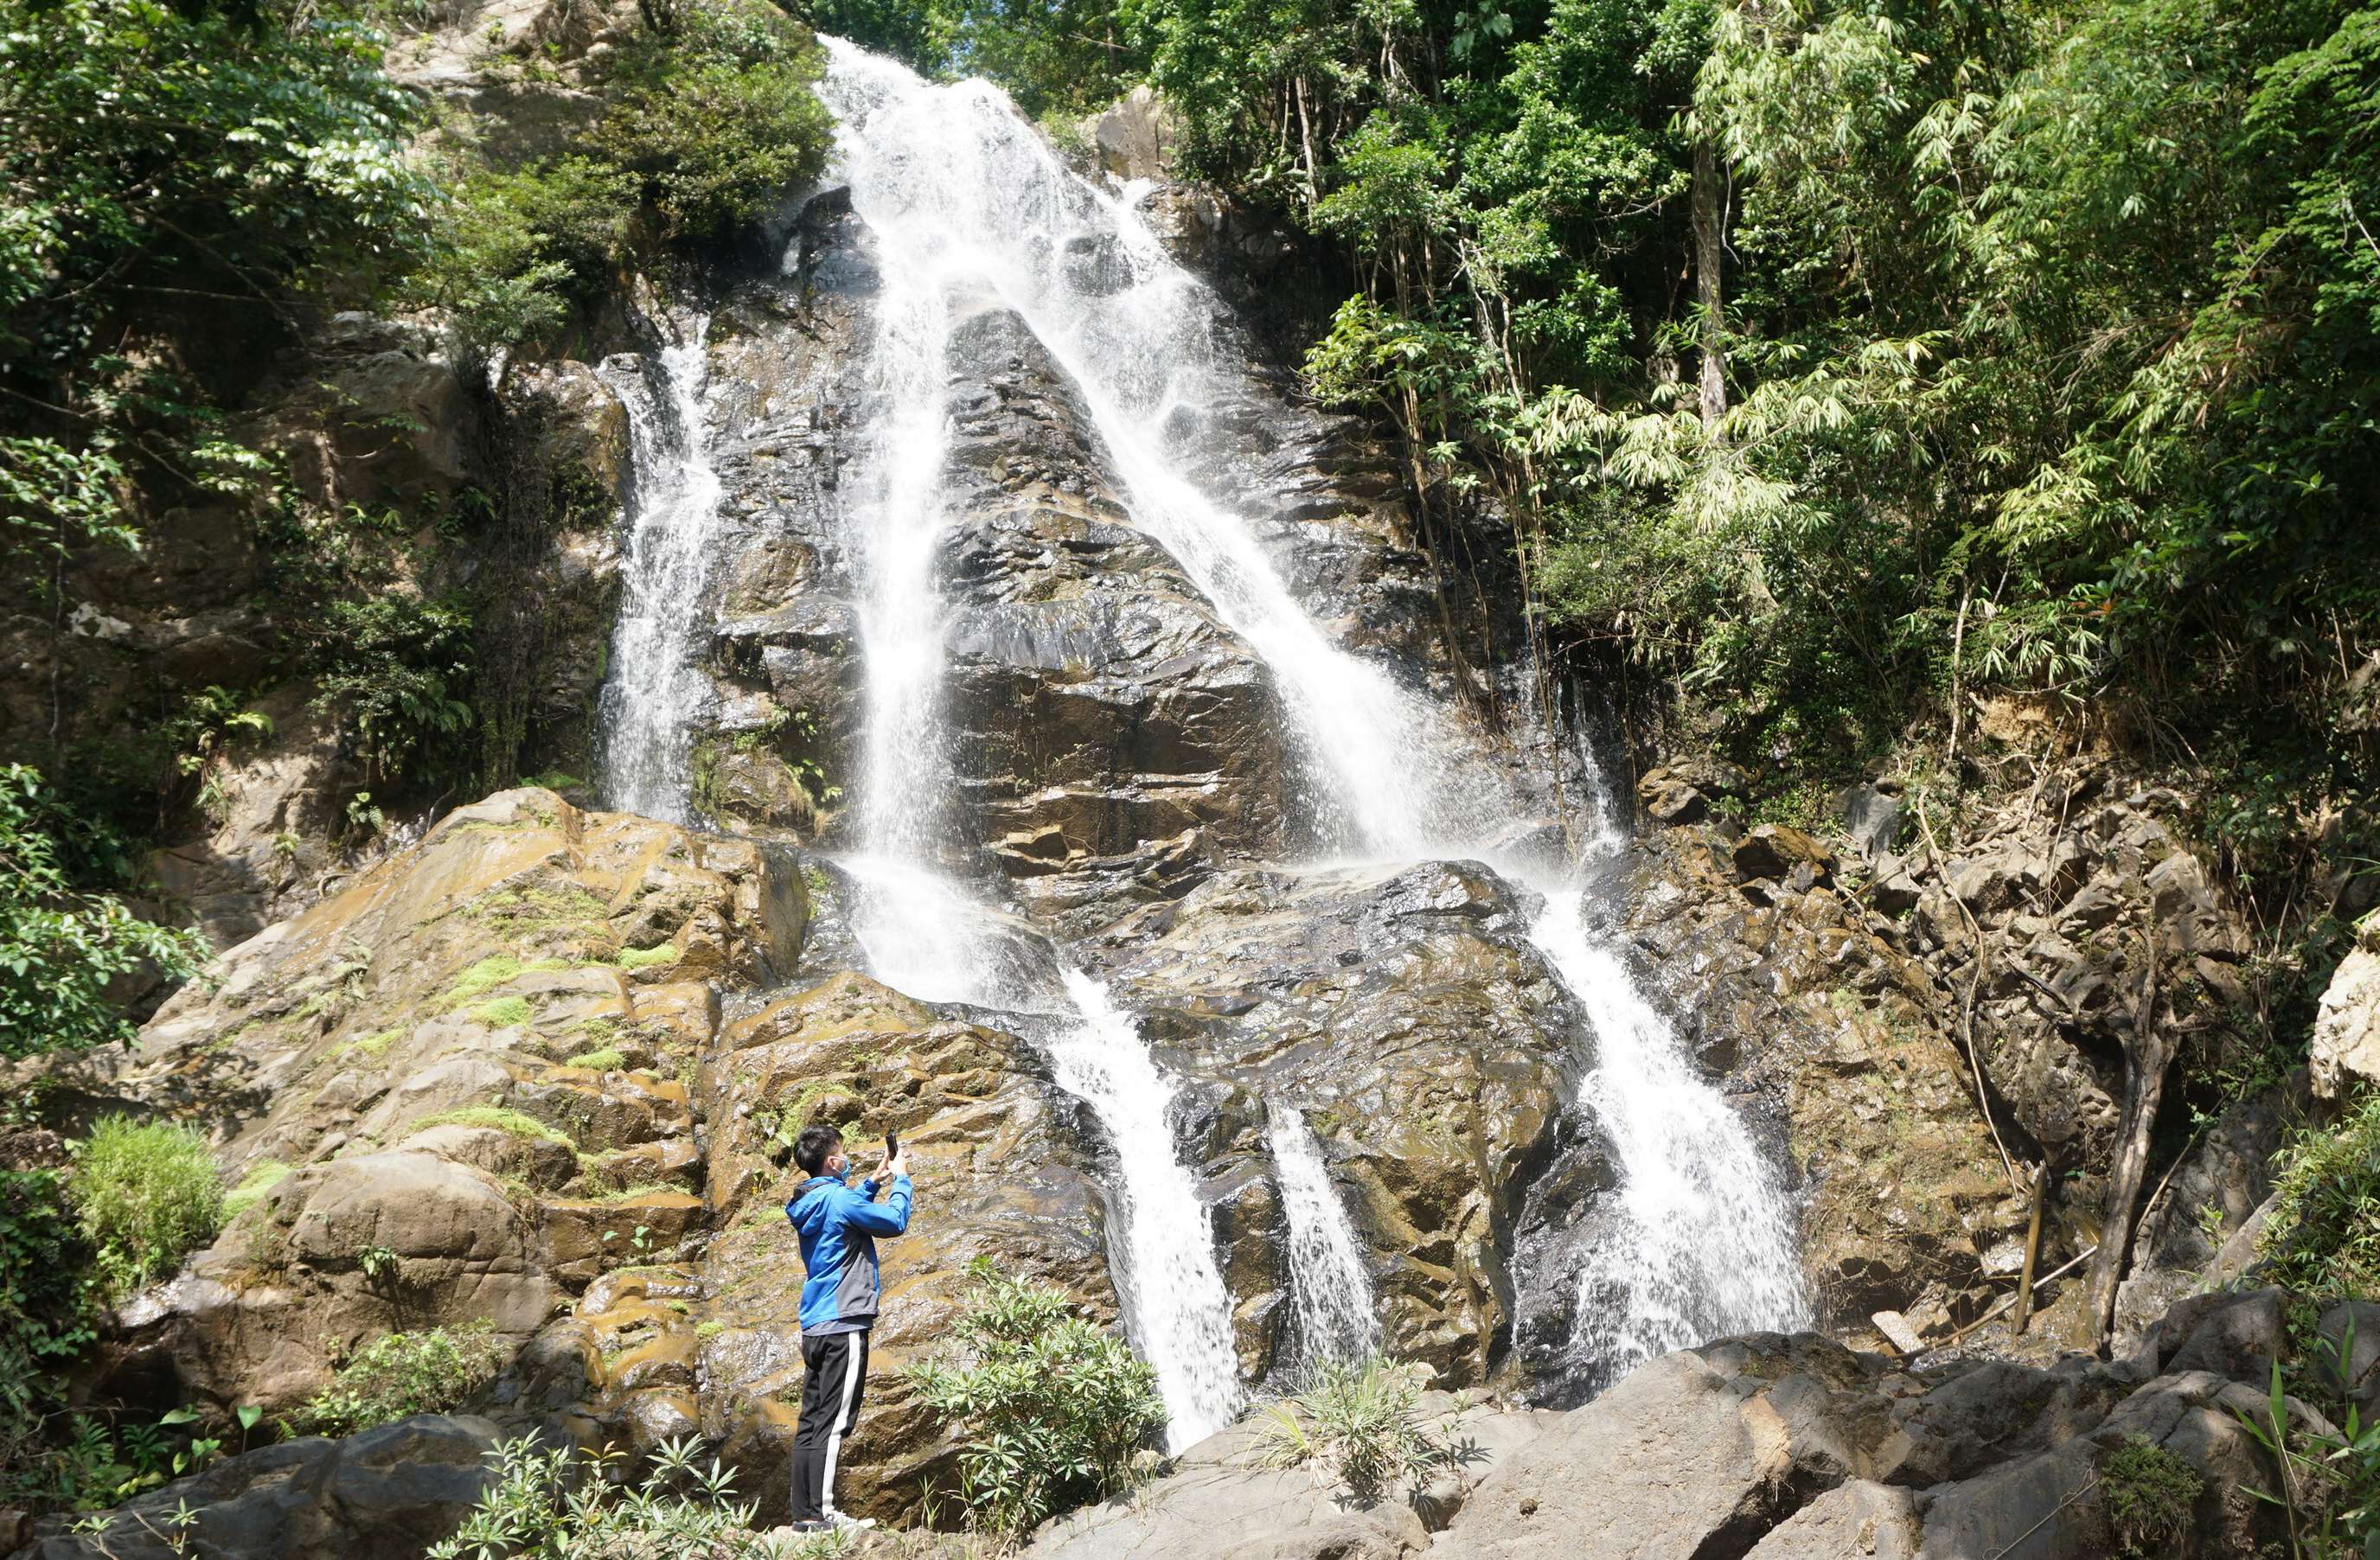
838,1229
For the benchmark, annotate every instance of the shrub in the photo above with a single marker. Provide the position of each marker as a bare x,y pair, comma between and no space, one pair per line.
147,1194
713,121
406,1374
2150,1491
1361,1425
61,949
1053,1406
2323,1236
541,1503
45,1318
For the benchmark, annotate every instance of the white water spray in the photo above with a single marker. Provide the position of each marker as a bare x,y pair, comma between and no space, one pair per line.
1326,1262
655,686
1173,1296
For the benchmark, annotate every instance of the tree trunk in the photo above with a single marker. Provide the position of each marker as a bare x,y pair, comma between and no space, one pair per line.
2146,1061
1707,291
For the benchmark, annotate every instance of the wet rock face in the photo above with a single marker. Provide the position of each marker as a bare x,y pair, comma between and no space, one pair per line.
1403,1011
1098,703
788,371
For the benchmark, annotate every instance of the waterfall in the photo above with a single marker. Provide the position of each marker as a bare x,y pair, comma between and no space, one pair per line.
655,684
966,203
952,177
923,934
1326,1264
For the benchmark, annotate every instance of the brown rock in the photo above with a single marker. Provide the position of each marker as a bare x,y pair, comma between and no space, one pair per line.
1774,850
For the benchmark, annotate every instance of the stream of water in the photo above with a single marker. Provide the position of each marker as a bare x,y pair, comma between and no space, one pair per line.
1326,1262
655,684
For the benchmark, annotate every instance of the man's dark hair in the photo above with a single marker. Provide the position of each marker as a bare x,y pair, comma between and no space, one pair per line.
818,1140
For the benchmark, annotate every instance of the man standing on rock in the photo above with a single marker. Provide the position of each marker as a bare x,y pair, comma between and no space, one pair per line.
838,1229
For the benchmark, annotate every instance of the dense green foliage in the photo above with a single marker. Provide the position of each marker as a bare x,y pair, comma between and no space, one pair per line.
400,1375
2045,352
711,121
61,949
147,1194
2322,1237
45,1315
1053,1407
165,165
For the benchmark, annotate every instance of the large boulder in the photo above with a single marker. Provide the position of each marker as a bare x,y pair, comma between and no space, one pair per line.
387,1494
458,1066
1003,1173
2347,1025
1221,1501
1429,1048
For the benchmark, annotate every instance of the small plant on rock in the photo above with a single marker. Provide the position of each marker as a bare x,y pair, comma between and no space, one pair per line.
406,1374
2150,1493
1053,1406
544,1502
1359,1425
147,1194
2329,1459
2324,1234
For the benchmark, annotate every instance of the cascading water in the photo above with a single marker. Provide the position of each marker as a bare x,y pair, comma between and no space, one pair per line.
1173,1292
656,684
952,177
1701,1250
922,933
1326,1264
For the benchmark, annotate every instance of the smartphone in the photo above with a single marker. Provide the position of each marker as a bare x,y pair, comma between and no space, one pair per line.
891,1145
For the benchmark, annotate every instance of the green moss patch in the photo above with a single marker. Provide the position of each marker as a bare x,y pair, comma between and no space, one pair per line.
645,958
501,1118
504,1012
601,1061
483,976
261,1178
372,1045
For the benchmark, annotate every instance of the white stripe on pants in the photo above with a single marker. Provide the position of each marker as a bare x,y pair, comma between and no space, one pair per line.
851,1357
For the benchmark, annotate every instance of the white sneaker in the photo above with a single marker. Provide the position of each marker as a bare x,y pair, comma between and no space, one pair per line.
843,1524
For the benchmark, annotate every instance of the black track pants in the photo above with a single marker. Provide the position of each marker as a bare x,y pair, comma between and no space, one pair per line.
835,1372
